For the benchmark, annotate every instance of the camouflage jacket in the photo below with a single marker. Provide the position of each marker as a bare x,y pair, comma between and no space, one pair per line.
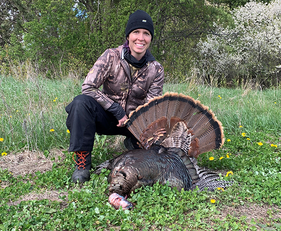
113,72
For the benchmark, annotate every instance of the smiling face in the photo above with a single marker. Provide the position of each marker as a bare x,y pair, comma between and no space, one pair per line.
139,41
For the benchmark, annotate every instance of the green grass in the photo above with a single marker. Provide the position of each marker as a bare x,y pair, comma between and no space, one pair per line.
29,109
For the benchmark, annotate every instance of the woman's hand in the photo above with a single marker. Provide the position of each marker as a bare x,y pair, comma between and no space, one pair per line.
121,123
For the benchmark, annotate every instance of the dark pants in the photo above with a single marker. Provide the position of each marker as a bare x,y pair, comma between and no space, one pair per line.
87,117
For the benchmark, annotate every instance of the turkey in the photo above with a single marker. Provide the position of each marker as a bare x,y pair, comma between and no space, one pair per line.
173,130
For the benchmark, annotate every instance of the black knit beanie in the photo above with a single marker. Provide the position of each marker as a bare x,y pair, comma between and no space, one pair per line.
139,20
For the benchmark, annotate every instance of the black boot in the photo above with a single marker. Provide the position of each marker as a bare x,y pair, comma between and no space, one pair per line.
82,167
128,143
131,143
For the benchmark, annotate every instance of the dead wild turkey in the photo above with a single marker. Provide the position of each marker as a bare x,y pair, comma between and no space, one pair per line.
172,130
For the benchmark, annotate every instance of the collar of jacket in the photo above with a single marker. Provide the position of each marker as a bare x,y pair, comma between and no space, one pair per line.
148,57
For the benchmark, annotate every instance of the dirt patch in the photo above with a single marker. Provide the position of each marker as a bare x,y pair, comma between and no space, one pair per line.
46,195
258,213
29,162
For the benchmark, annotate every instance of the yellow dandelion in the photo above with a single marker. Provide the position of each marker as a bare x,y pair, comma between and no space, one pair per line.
4,154
273,145
219,96
243,134
211,158
240,126
227,174
213,201
67,131
248,139
227,155
222,189
228,140
260,143
52,130
221,157
1,139
274,102
54,100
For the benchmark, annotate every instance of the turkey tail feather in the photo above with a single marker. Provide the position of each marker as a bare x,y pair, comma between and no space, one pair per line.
176,120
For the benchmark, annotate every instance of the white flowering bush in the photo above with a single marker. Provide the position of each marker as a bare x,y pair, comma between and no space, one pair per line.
247,50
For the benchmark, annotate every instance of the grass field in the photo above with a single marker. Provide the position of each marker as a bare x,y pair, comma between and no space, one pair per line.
35,169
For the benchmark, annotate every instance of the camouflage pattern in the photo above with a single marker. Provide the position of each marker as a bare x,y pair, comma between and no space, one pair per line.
113,72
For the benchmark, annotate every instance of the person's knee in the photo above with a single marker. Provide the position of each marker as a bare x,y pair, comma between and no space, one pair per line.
78,103
80,99
85,104
84,101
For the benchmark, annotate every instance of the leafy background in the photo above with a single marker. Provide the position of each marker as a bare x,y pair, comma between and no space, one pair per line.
225,42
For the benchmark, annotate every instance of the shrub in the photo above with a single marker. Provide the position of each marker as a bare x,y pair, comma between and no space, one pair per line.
249,50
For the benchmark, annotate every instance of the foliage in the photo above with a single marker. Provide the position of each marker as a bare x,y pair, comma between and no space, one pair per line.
233,4
61,37
249,50
179,25
32,112
64,38
13,14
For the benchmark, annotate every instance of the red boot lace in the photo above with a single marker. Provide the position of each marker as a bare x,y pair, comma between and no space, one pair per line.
81,158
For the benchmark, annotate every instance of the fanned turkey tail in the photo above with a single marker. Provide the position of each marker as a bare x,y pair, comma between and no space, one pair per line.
176,120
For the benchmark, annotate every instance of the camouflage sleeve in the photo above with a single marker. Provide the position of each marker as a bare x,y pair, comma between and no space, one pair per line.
156,88
96,77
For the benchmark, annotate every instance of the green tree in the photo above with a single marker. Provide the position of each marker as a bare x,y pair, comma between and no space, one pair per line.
180,25
65,35
13,15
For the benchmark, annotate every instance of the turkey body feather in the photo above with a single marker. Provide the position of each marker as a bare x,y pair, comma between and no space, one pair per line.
137,168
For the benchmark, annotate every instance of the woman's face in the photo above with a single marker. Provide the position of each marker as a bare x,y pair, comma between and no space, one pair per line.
139,41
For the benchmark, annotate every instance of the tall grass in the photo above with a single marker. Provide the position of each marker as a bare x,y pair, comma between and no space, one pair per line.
33,117
32,112
255,110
